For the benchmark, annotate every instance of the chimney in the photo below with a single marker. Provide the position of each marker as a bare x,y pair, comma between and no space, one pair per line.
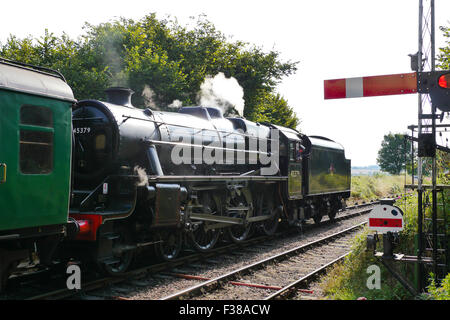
120,96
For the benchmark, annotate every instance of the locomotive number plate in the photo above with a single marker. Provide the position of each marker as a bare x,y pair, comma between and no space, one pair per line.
82,130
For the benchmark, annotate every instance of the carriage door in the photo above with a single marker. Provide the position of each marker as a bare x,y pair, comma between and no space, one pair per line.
3,165
7,130
295,170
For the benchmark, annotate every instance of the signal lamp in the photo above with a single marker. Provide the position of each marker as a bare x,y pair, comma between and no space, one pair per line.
437,84
444,81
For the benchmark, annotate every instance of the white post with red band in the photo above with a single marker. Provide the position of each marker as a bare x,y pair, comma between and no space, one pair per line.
403,83
385,218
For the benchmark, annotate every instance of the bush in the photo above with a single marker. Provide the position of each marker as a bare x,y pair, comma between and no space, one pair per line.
442,292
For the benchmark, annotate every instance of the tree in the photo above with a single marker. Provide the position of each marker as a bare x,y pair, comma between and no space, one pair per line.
394,153
273,108
444,53
160,61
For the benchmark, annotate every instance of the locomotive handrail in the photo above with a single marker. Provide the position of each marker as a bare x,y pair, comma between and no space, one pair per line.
86,119
174,143
216,178
199,129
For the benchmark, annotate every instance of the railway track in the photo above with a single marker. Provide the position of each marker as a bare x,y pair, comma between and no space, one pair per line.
274,269
91,285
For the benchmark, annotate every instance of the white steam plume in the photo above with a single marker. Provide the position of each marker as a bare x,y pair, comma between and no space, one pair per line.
143,179
221,92
148,95
176,104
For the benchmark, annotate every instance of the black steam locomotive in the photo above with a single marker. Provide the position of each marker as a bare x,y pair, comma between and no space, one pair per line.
145,178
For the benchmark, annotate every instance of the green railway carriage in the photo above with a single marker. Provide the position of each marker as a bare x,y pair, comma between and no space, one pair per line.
35,158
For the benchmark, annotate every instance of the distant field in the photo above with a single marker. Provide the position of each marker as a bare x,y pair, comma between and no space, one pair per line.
366,188
369,170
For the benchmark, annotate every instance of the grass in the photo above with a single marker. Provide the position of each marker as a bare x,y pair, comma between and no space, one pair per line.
347,280
366,188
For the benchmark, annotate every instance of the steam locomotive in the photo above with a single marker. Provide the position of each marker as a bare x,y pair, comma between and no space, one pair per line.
139,178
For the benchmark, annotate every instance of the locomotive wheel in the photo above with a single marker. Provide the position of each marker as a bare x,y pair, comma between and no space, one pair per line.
318,217
332,214
335,206
239,233
269,226
171,245
123,258
202,238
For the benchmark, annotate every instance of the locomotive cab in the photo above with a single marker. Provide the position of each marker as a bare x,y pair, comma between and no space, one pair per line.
94,143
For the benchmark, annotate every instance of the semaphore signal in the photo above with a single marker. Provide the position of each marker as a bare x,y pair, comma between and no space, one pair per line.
430,82
436,83
371,86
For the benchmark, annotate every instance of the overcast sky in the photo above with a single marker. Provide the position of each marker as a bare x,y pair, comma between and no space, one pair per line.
331,39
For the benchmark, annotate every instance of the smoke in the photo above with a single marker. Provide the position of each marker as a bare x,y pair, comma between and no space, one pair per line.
176,104
113,58
148,96
143,179
221,92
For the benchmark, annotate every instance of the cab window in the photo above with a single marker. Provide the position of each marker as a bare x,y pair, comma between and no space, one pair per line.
292,151
295,151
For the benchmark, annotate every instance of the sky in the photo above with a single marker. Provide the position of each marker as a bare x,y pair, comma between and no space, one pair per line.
330,39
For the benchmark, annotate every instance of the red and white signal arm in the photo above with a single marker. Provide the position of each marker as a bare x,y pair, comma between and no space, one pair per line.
386,218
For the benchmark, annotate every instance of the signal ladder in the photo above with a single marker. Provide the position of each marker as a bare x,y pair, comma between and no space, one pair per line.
436,234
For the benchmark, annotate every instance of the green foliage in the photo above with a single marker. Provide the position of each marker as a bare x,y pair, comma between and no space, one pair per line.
443,165
439,293
376,186
162,62
348,280
393,153
444,53
273,108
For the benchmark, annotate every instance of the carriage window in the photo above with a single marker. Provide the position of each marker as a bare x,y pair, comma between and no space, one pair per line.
36,144
36,116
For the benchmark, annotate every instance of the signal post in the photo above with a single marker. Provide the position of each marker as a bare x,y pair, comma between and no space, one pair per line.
433,89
